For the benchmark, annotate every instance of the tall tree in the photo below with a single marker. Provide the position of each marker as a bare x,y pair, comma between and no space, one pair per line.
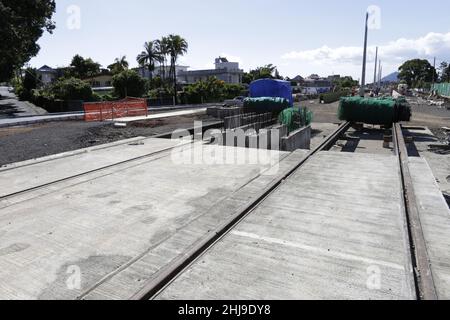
268,71
417,72
22,23
84,68
162,48
445,71
149,57
177,46
119,65
128,84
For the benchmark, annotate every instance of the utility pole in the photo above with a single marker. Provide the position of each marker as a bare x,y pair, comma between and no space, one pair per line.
363,80
434,73
375,73
381,75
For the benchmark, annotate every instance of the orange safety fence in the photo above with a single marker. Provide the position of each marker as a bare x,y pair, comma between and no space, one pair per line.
111,110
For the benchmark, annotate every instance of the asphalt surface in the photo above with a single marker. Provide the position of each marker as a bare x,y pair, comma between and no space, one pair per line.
35,141
11,107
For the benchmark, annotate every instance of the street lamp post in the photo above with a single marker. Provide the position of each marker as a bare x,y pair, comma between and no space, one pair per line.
363,80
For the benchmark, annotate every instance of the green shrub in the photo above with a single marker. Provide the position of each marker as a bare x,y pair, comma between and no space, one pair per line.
211,90
333,96
129,84
72,89
23,88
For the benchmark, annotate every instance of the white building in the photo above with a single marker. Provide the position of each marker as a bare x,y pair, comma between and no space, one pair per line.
159,71
226,71
47,75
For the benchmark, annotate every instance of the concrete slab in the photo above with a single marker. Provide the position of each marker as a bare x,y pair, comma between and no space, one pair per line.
439,163
161,116
24,121
367,141
320,131
435,219
105,228
43,171
335,230
127,281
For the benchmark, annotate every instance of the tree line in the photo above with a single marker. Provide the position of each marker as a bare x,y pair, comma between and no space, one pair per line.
419,73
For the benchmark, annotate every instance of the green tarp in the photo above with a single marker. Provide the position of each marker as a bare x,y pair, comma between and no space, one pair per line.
376,111
296,118
265,105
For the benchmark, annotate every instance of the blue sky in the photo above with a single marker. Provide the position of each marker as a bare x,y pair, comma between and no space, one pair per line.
300,37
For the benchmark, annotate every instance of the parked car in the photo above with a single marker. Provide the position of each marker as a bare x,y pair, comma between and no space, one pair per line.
236,102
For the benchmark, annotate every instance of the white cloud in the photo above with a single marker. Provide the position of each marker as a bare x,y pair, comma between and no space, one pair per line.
394,52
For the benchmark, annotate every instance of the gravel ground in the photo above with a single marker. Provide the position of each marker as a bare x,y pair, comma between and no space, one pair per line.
423,115
31,142
24,143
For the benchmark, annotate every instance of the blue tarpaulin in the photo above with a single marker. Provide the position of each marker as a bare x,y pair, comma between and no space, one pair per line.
272,88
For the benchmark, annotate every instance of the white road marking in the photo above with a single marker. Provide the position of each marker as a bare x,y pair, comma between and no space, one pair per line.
318,250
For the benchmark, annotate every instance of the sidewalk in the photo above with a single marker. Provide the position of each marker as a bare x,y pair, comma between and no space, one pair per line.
160,116
10,106
22,121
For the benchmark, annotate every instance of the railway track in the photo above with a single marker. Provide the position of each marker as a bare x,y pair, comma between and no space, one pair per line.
71,177
105,167
166,275
418,256
423,279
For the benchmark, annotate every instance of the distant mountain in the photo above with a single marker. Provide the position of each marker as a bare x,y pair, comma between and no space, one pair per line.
393,77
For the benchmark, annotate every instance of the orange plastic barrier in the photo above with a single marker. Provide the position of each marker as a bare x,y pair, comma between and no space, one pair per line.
111,110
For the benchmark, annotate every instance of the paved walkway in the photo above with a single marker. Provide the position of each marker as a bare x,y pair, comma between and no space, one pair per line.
11,107
161,115
13,122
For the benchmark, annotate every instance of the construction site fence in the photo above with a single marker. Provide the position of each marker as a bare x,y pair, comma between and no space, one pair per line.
251,120
111,110
443,89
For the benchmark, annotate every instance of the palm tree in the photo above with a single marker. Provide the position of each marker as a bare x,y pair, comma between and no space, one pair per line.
119,65
162,48
122,62
148,57
177,46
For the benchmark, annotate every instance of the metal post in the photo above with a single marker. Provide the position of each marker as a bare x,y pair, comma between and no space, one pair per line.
380,74
434,78
375,73
363,80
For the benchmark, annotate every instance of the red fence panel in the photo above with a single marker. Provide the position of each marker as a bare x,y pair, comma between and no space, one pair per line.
111,110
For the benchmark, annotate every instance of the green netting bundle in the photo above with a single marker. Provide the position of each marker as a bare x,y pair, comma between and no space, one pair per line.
296,118
265,105
376,111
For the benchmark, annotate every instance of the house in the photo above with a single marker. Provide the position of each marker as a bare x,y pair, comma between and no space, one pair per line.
313,77
160,71
47,75
298,79
334,77
226,71
101,82
313,86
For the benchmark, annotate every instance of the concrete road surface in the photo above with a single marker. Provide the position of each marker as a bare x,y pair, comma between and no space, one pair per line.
11,107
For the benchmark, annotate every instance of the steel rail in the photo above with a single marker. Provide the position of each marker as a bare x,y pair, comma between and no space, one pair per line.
44,185
423,275
147,155
165,276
